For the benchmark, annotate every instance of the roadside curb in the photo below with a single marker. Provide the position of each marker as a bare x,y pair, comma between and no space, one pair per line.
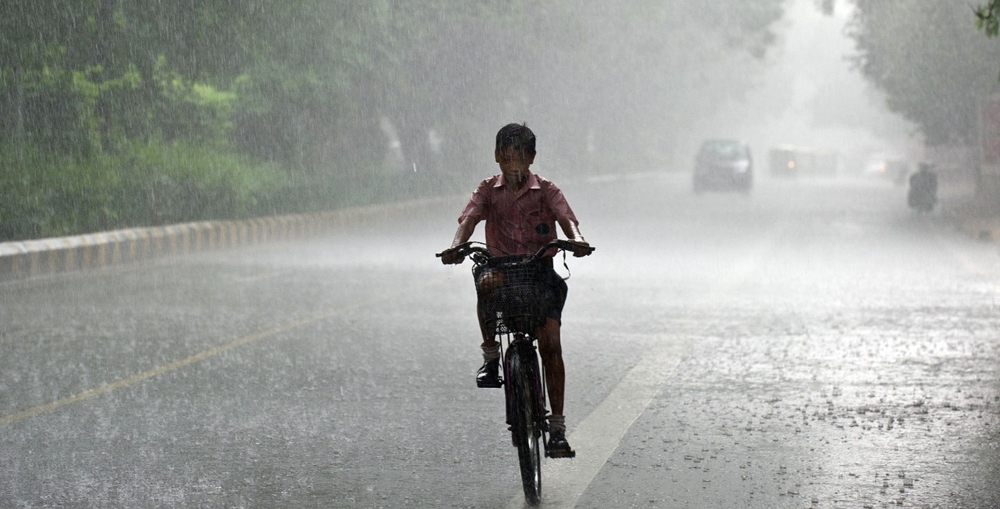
30,258
981,230
983,227
974,216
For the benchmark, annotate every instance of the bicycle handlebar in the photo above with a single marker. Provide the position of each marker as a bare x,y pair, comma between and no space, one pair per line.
471,248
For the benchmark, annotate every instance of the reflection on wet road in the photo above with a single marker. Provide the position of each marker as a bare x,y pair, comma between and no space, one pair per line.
810,345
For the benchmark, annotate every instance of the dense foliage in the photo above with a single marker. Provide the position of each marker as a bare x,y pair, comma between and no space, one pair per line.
989,17
928,58
125,113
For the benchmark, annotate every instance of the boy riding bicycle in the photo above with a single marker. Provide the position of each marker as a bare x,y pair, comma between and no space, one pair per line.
521,210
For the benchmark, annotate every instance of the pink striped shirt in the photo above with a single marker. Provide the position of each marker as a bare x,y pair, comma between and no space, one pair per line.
518,222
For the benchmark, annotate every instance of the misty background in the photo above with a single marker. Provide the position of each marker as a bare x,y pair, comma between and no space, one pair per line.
809,340
811,95
121,113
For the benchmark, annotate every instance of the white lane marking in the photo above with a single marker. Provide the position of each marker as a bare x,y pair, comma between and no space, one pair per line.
598,436
259,277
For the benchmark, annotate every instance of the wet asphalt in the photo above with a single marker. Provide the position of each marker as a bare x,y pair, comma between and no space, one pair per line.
828,349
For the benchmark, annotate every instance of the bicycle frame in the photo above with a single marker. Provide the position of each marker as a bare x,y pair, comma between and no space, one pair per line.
510,307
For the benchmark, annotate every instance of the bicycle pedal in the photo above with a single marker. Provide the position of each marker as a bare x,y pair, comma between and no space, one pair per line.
560,454
485,384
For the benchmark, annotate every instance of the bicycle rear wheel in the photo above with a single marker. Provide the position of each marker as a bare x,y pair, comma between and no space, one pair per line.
523,380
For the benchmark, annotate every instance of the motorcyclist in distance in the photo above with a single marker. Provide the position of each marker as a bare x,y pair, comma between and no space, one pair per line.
923,188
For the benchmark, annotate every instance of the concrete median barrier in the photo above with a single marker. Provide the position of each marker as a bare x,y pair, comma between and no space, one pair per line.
31,258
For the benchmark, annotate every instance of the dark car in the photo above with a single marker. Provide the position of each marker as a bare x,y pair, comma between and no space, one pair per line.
723,165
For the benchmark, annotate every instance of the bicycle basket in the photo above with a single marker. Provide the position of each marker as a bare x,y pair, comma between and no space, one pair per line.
510,299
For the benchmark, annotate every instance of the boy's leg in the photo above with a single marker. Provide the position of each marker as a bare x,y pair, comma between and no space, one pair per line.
550,348
554,292
489,373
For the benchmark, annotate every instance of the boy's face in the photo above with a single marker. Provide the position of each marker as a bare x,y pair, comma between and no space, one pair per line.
514,164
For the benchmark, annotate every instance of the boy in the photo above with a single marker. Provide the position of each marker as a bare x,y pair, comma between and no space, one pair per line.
521,209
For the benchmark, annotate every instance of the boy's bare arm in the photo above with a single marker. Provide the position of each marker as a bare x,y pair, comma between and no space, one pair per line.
462,235
573,234
464,231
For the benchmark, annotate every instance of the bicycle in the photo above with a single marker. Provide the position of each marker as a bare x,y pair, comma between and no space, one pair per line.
510,304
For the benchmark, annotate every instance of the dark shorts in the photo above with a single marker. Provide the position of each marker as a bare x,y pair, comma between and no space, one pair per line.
554,289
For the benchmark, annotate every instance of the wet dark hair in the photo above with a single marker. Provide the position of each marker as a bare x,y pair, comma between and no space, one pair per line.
517,137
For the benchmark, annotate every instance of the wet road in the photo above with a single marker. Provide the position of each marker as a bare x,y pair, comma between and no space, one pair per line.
806,346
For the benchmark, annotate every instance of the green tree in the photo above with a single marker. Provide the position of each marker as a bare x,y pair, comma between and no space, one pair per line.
989,17
928,59
309,85
97,61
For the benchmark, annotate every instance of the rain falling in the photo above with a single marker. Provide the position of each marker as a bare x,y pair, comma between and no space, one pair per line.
222,228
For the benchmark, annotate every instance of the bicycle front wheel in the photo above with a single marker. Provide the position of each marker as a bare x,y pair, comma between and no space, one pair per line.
523,380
